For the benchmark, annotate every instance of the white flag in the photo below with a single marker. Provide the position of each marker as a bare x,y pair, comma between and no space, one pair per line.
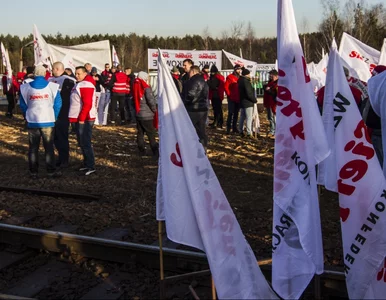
7,64
41,49
68,62
361,186
115,57
195,209
382,59
236,60
299,145
358,57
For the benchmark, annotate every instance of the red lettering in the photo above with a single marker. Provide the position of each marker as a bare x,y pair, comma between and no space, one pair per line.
281,73
284,93
305,71
356,169
227,240
282,175
361,131
298,130
226,223
360,149
292,107
353,54
345,189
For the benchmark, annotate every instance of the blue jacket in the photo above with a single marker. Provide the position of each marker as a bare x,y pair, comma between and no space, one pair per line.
29,95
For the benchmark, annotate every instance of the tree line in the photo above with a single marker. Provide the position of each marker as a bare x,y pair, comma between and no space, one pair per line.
365,22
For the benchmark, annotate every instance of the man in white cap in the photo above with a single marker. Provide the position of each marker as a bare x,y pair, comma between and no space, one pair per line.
40,102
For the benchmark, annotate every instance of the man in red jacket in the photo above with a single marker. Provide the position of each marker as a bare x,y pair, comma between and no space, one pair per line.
119,87
216,95
232,90
269,100
83,113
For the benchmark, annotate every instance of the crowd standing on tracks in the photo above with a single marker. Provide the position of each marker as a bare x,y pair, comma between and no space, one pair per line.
56,101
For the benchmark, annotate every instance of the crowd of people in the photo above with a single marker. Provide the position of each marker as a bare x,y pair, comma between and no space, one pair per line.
57,102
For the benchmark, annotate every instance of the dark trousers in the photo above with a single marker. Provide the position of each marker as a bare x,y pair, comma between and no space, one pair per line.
130,109
34,136
217,111
115,99
233,115
146,126
84,134
61,141
11,104
199,122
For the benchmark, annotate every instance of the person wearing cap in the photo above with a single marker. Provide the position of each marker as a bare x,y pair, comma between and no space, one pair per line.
195,98
373,112
176,79
247,101
119,89
66,84
233,97
269,100
216,84
205,72
40,102
83,112
145,108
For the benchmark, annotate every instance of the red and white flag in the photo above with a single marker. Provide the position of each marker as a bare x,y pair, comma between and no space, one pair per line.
300,144
193,204
358,57
7,64
361,186
41,49
115,57
382,58
236,60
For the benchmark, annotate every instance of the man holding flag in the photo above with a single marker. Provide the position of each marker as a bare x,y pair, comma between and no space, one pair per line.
299,145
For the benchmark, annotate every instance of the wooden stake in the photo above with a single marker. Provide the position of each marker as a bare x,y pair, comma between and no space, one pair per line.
161,262
214,297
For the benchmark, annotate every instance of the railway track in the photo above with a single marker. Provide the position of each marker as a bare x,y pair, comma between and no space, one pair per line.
329,285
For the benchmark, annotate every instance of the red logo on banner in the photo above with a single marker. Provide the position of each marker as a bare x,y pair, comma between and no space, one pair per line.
176,160
382,273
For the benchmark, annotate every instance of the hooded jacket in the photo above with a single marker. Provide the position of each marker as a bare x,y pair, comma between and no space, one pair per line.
247,96
231,88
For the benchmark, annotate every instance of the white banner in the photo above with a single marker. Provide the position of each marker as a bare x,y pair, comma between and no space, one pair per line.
300,144
7,64
265,67
361,186
193,204
115,57
382,59
176,57
236,60
68,62
358,57
97,54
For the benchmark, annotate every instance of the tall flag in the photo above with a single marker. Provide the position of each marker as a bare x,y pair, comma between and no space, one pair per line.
361,186
358,57
193,205
41,49
248,64
377,96
300,144
115,57
7,64
382,59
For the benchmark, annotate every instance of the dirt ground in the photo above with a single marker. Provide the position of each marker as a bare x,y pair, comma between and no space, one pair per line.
126,183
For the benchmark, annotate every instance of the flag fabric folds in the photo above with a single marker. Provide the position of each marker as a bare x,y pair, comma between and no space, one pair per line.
193,204
41,50
300,144
115,57
361,186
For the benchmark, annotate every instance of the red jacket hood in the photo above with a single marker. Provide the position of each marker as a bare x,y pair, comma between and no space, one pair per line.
90,79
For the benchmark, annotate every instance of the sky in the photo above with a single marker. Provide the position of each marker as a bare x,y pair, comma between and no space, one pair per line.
151,17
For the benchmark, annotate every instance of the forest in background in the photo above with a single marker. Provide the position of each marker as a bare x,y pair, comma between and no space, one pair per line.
365,22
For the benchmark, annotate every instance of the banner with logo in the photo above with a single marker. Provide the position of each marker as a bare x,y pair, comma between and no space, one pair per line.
115,57
176,57
236,60
382,59
358,57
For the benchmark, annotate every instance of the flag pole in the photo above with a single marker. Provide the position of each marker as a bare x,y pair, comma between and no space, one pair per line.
161,262
214,297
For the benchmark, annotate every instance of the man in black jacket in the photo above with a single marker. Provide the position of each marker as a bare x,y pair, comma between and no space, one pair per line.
195,98
66,83
247,101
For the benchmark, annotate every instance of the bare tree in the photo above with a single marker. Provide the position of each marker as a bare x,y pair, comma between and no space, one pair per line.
305,29
206,37
349,16
331,26
250,37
